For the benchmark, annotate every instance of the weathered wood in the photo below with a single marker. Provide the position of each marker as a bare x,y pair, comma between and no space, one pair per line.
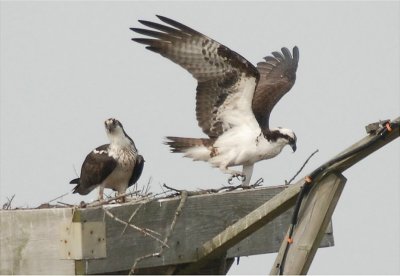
201,218
264,213
245,227
219,266
348,162
37,243
336,165
30,242
83,240
315,216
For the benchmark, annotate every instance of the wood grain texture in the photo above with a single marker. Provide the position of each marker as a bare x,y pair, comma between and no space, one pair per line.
202,218
30,242
35,243
314,218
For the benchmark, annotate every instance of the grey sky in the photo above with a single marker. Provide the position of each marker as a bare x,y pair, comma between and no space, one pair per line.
68,66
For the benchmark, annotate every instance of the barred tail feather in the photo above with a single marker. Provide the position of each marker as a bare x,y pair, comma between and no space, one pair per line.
195,148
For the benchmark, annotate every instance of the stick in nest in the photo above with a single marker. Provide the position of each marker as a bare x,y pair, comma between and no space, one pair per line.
302,167
108,200
146,232
167,235
211,191
7,205
131,217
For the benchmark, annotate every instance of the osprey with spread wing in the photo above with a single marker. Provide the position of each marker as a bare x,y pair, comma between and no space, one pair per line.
234,98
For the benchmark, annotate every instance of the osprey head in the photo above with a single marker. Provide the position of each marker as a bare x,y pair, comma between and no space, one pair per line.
113,126
116,133
287,136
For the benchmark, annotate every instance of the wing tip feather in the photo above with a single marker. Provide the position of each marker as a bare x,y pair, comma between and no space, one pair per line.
296,53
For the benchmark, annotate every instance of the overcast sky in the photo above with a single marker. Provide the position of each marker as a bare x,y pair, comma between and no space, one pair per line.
68,66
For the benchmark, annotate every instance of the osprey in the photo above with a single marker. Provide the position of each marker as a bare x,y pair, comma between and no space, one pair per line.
116,166
234,98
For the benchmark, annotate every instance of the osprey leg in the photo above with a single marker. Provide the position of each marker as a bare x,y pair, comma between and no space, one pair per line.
247,172
101,192
233,173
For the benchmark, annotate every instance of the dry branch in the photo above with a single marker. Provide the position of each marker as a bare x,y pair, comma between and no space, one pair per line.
131,217
145,231
167,235
211,191
7,205
301,168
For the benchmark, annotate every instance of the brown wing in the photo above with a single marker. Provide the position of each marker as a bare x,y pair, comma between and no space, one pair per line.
137,170
96,167
277,76
217,69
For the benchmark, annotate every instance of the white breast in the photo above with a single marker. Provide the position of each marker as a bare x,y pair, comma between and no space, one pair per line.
244,145
119,178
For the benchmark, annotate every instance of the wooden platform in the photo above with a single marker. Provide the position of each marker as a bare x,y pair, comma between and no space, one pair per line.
97,241
195,235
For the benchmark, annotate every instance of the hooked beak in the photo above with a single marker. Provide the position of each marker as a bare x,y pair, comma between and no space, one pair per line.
294,147
110,124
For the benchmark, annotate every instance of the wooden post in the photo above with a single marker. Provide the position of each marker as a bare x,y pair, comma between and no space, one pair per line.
315,216
297,261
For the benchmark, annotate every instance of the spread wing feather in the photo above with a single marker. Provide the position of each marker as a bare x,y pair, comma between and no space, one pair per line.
221,73
277,76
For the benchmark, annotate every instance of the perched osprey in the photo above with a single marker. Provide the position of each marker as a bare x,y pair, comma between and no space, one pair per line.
117,165
234,98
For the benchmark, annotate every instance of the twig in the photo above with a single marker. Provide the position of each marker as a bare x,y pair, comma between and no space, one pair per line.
131,217
102,202
58,197
178,211
148,185
146,232
76,173
158,195
177,214
7,205
66,204
139,259
302,167
210,191
259,182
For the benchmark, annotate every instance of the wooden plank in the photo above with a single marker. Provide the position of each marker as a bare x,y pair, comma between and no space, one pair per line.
245,226
202,217
348,162
314,218
255,243
85,240
30,242
231,238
